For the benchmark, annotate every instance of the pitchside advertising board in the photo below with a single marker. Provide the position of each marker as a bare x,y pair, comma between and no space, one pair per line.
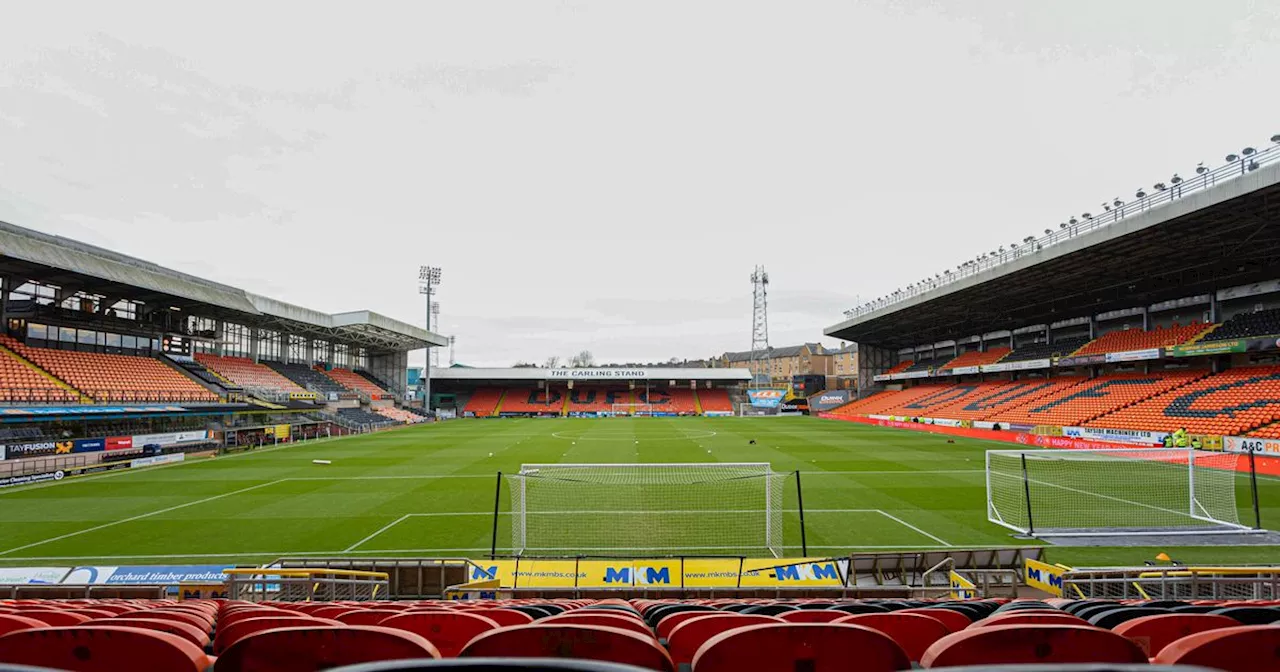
829,400
765,398
14,451
698,573
146,575
31,479
1135,437
1245,444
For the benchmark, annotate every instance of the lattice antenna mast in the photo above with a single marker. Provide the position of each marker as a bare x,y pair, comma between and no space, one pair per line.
760,325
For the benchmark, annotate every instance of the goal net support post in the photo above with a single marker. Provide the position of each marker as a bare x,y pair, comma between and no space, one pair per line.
1118,491
645,510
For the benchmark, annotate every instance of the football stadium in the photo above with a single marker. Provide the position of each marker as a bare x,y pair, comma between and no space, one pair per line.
1059,455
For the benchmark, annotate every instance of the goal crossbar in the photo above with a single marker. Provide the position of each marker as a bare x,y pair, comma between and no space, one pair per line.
1118,491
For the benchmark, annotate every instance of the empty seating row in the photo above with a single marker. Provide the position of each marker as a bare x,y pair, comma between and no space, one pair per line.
1247,325
398,414
714,401
1096,397
21,383
354,381
713,635
248,373
1060,347
483,403
113,378
359,416
977,358
307,377
1229,404
1124,340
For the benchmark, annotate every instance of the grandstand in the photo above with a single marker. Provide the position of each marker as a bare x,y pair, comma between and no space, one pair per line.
90,331
534,392
1096,332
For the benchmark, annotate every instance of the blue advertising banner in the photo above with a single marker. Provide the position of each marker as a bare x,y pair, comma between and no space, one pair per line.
88,410
147,574
765,398
88,445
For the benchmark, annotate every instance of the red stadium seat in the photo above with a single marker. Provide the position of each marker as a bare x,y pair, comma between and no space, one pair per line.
685,639
813,616
1153,633
184,630
316,648
915,633
612,620
56,617
366,616
1008,644
954,620
504,617
670,621
591,642
234,632
14,622
813,647
1244,648
101,648
448,631
1030,616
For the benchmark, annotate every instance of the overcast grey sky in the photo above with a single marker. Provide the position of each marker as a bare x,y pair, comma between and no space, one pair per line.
604,175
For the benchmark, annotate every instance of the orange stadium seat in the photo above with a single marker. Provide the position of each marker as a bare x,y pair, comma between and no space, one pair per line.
398,414
248,373
483,403
21,383
977,358
988,400
113,378
1229,404
1136,339
357,383
1091,399
901,366
714,401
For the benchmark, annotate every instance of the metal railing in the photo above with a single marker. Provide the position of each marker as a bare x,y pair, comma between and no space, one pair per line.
298,585
1174,583
1119,210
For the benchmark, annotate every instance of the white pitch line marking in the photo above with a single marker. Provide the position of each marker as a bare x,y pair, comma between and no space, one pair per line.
382,529
904,523
130,519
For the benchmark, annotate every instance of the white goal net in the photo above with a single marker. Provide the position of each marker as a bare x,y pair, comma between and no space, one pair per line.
632,409
1113,492
647,509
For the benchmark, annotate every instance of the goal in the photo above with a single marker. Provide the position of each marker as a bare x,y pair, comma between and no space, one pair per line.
715,509
1117,491
747,410
632,409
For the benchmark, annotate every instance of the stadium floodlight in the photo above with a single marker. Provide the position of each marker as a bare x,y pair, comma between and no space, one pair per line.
1175,180
1073,221
1232,158
1248,151
1118,491
651,509
1117,202
1201,169
1160,186
429,274
1140,193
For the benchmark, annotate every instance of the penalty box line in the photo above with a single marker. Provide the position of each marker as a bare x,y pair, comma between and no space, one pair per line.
442,514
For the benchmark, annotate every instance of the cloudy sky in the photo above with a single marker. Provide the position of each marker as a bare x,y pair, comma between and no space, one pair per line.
604,175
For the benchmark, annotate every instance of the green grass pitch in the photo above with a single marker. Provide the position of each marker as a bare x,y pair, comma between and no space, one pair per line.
428,491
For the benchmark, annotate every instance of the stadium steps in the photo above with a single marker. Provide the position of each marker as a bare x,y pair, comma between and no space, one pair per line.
45,374
501,398
186,373
1199,337
564,406
697,403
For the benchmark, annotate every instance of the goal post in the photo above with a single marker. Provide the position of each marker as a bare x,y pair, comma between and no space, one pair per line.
1115,491
749,410
660,509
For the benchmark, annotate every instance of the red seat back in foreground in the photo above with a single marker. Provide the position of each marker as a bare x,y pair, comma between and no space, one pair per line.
230,634
814,647
184,630
1009,644
308,648
915,633
1245,648
448,631
101,648
13,623
503,616
1153,633
590,642
685,639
